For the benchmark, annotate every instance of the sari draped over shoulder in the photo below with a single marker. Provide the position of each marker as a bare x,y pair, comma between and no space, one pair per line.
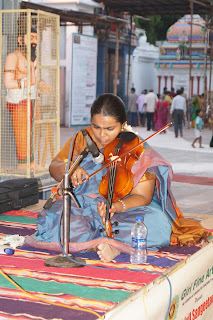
162,217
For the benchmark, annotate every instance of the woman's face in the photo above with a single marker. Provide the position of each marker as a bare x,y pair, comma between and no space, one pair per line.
105,129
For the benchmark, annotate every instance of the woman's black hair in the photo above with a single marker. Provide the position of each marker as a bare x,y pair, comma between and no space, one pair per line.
111,105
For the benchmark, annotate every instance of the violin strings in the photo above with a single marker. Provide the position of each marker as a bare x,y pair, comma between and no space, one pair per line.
111,183
112,175
109,194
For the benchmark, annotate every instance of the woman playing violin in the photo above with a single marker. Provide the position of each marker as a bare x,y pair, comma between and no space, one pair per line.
149,196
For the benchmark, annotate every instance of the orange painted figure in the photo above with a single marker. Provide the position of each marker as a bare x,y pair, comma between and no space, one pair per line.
15,81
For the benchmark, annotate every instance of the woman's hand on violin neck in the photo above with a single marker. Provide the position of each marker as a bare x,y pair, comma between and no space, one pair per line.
78,175
101,207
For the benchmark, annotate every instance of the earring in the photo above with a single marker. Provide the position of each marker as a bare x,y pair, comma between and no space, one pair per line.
124,126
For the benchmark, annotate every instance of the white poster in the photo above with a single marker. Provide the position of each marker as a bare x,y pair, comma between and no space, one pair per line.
191,293
83,78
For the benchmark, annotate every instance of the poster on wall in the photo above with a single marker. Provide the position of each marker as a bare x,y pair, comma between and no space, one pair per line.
83,77
192,287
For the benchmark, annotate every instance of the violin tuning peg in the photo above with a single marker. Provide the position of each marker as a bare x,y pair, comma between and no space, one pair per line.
116,232
115,223
101,230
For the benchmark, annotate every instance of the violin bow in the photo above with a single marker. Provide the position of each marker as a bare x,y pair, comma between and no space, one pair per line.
123,155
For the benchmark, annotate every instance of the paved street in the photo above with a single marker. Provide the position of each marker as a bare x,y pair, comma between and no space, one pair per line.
195,201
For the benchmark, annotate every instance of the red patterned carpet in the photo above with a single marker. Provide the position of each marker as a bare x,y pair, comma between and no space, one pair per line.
207,181
77,293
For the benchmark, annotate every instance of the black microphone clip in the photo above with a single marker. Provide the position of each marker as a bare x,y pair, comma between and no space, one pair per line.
98,157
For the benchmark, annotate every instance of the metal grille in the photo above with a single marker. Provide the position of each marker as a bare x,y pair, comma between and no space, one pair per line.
29,105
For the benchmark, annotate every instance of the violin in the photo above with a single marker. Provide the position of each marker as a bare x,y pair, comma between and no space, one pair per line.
118,181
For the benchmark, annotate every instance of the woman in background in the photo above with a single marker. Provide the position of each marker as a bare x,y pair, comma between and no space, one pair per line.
161,112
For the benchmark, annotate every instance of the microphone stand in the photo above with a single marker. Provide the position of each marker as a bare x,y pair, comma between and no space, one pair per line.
61,260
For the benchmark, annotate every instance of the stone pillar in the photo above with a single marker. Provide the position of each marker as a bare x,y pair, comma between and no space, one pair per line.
192,86
172,78
165,77
198,85
159,84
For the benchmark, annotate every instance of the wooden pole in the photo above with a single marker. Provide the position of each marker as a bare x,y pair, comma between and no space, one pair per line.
210,70
115,81
107,61
129,55
1,83
190,66
205,58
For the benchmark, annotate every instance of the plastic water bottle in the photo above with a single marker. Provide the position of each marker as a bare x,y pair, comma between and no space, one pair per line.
139,234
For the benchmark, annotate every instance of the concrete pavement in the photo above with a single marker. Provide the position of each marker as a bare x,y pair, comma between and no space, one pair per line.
194,200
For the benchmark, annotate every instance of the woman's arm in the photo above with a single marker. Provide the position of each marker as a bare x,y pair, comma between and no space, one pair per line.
57,170
141,195
58,165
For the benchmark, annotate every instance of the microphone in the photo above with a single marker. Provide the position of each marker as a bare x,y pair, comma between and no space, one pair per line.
97,156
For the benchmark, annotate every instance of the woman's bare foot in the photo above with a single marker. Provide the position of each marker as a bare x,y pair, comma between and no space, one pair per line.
201,147
193,145
106,252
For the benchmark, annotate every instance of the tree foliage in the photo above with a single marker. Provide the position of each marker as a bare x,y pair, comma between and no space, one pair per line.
156,27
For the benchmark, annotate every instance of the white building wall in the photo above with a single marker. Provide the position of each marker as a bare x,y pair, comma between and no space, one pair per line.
181,79
144,74
87,6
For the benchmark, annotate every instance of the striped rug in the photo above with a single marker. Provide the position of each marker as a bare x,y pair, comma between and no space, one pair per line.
206,181
90,291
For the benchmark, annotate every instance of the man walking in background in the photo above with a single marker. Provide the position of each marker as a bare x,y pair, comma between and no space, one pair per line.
132,108
178,112
150,100
141,108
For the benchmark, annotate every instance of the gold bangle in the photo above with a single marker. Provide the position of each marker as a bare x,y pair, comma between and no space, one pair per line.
115,208
123,204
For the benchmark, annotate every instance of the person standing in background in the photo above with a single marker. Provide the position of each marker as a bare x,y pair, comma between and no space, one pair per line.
196,105
164,93
150,100
15,81
142,108
162,111
198,128
168,97
173,94
185,96
178,112
183,93
132,108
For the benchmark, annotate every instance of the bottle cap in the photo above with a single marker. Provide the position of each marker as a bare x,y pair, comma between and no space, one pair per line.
139,219
9,251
